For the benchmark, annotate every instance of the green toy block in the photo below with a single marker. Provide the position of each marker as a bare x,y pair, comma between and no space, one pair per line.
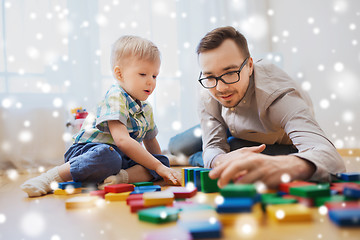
208,185
266,196
159,215
276,200
319,201
311,191
238,190
138,184
190,175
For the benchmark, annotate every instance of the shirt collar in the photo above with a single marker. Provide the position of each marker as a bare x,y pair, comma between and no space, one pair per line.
135,106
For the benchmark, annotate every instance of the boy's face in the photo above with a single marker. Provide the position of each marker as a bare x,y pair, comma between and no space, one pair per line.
226,58
138,77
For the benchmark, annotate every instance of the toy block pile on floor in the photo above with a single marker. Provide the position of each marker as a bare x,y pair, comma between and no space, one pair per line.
291,202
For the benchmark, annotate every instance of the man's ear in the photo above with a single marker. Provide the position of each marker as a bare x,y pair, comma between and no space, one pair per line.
117,73
251,66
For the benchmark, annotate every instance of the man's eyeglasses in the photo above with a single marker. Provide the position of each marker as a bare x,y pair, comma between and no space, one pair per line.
227,78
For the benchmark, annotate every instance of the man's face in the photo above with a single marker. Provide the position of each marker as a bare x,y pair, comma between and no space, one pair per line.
226,58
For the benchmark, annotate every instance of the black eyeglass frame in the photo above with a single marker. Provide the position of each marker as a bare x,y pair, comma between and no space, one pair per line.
220,77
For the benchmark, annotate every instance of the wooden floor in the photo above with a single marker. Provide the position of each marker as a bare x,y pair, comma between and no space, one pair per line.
47,218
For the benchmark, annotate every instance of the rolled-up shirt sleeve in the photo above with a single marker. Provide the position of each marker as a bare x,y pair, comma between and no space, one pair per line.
213,129
291,113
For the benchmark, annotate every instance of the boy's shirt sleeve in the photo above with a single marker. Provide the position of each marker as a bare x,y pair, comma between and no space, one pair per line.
152,129
113,107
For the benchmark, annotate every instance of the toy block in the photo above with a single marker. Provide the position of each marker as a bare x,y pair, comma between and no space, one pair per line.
238,190
204,214
350,176
182,192
285,187
137,205
342,205
144,189
277,201
67,191
289,212
308,202
235,205
190,174
197,179
320,201
158,198
138,184
118,188
64,185
311,191
265,196
117,196
158,215
202,229
196,207
339,187
99,193
345,217
133,197
352,192
185,176
81,202
231,219
208,185
168,233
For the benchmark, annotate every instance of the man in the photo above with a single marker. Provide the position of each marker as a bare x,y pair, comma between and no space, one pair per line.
260,105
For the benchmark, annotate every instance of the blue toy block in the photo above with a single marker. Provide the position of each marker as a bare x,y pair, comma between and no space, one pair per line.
197,180
352,192
202,229
144,189
235,205
346,217
63,185
350,176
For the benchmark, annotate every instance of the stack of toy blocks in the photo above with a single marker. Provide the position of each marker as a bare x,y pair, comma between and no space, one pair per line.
68,188
291,202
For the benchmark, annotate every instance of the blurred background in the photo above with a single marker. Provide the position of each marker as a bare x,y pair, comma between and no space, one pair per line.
54,56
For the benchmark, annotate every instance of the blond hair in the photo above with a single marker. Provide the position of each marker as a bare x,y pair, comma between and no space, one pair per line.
133,46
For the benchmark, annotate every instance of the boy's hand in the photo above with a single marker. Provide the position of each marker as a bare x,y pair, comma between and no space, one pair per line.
169,175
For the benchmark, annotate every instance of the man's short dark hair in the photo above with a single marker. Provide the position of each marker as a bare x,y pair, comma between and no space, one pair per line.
217,36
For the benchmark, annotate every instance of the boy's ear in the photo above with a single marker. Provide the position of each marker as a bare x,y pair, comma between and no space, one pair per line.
117,73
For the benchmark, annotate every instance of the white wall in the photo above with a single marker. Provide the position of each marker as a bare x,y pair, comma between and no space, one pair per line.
319,43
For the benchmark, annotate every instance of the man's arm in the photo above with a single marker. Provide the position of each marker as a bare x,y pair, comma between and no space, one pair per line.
213,129
295,117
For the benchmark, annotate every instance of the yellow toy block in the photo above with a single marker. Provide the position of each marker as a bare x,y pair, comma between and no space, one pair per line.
230,219
67,191
158,198
117,196
81,202
289,212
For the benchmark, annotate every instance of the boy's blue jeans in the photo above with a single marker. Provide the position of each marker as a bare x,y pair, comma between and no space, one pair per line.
94,162
188,144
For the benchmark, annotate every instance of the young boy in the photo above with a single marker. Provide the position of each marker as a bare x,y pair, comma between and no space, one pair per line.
108,147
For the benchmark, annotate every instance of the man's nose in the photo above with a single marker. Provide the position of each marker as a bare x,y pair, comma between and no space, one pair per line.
221,86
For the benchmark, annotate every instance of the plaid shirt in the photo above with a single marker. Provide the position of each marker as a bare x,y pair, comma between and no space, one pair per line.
137,116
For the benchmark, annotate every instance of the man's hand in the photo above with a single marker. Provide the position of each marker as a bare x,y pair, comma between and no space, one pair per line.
169,175
249,166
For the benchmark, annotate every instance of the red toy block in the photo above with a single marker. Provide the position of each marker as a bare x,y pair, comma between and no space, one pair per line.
99,193
285,187
137,205
133,197
343,205
119,188
182,192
